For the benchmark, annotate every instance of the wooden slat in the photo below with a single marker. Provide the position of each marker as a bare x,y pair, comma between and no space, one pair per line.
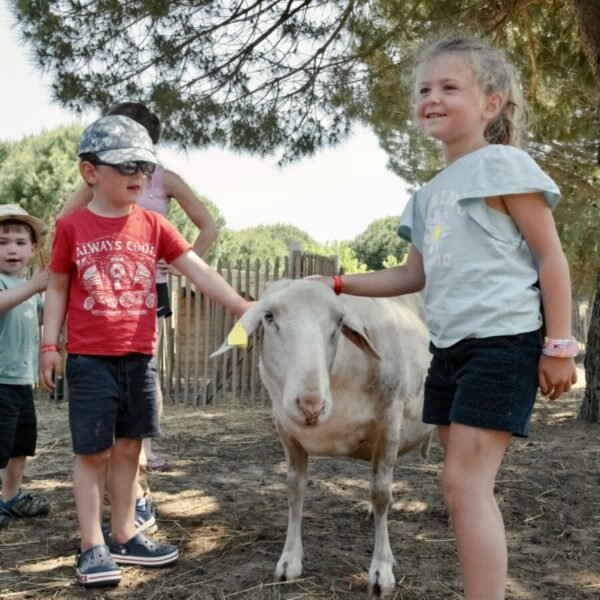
187,342
187,374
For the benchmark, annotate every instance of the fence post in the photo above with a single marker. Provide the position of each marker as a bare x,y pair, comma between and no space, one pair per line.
295,261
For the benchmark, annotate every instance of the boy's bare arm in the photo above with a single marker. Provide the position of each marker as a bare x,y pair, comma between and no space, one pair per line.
209,282
82,196
15,296
55,310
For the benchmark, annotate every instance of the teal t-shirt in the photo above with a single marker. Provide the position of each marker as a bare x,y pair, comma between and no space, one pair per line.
19,333
481,278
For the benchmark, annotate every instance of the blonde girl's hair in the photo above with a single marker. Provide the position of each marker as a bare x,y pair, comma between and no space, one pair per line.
494,74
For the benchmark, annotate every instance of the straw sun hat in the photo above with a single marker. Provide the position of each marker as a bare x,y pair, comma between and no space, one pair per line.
13,212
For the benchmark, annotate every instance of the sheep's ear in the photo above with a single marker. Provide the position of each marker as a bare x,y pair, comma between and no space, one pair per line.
359,336
238,336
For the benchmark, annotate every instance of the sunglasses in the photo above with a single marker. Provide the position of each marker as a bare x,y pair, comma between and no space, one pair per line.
130,167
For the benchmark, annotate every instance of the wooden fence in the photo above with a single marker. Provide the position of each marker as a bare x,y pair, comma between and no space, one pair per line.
198,326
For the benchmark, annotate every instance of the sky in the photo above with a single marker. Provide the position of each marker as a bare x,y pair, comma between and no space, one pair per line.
333,195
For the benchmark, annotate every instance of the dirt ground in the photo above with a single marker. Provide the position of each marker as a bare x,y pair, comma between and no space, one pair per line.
223,502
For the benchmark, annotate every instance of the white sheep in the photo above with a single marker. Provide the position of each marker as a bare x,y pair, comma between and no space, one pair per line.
345,376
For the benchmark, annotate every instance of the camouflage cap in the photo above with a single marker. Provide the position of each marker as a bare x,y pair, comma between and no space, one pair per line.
117,139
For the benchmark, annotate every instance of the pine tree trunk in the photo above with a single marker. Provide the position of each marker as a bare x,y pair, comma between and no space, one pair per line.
590,409
587,13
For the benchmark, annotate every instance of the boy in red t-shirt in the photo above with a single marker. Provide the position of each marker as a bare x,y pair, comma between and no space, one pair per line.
102,273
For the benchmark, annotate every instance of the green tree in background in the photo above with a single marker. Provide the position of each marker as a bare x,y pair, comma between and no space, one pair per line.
543,40
247,74
40,172
268,242
588,20
378,243
189,231
290,77
349,261
5,148
264,242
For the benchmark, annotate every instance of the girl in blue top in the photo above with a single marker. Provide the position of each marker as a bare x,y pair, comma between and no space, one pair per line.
486,252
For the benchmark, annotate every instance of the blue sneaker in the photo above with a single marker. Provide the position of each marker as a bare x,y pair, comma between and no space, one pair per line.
4,520
96,568
145,520
142,551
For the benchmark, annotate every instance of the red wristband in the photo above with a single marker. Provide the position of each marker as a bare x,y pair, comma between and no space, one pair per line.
337,284
49,348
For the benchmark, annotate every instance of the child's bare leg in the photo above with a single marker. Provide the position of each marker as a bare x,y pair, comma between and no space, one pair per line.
143,486
147,453
471,462
122,487
12,477
89,475
147,450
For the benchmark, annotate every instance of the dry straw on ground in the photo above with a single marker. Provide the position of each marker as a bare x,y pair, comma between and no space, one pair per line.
224,503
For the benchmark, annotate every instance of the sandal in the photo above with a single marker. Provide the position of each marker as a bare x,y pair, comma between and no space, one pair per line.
96,568
158,463
25,505
142,551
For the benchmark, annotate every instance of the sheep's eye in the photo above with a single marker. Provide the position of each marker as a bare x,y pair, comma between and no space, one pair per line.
337,330
268,317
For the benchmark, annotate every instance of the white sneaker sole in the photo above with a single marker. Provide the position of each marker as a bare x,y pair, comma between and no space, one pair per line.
105,578
146,561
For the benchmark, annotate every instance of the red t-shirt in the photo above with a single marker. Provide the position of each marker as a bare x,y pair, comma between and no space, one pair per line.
112,261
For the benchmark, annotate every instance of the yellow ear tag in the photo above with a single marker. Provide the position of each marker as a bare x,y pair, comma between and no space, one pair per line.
238,336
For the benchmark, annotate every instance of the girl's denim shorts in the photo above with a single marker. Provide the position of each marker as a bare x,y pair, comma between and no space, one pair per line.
489,383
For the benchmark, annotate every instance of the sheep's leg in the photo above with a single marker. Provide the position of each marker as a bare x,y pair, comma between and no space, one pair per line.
381,574
289,565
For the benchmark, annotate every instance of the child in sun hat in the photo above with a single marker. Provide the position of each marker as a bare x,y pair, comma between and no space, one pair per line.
102,280
21,237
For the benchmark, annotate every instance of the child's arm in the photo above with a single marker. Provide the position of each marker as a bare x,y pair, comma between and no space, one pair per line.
175,187
14,296
209,282
55,310
82,196
394,281
534,219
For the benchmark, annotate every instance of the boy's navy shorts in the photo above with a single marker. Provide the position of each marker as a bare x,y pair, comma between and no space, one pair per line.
487,382
111,397
18,424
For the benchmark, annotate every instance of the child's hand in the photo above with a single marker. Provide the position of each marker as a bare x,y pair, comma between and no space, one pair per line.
39,280
248,305
50,370
556,375
164,268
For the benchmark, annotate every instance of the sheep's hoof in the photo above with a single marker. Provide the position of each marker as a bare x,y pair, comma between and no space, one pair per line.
288,570
381,585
